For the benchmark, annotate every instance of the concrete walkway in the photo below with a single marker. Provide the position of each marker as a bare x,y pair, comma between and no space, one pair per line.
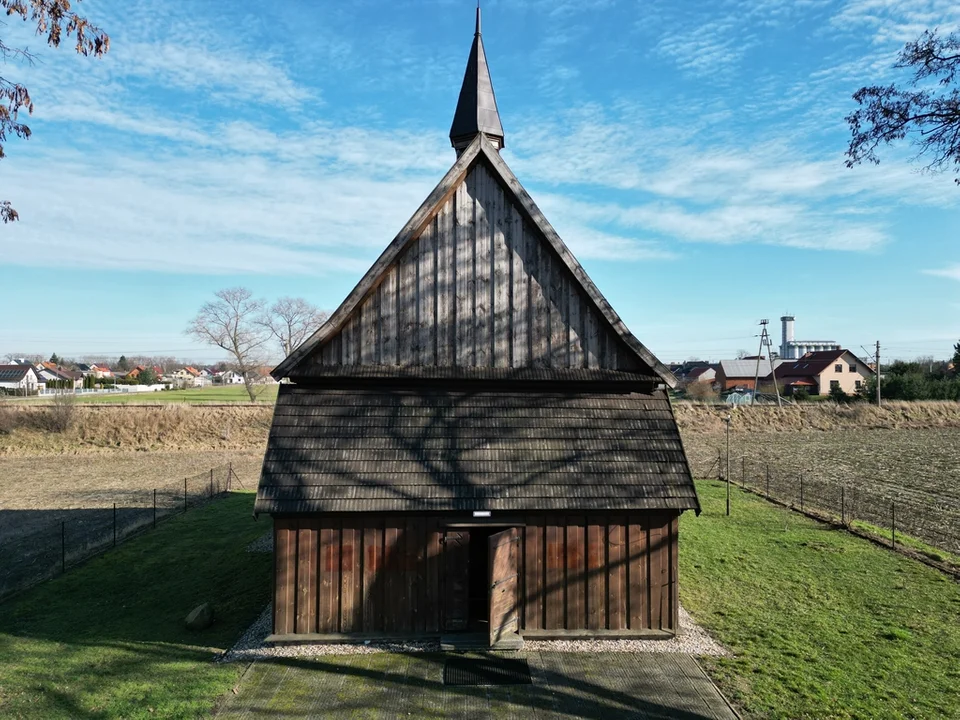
605,686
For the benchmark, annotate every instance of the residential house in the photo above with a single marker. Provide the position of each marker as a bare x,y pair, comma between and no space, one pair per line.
52,373
101,371
474,441
15,379
818,372
230,377
741,374
701,373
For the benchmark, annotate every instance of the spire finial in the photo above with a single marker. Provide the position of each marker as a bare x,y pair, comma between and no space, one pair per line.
477,106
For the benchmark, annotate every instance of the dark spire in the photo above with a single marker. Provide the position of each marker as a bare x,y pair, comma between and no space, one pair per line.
477,107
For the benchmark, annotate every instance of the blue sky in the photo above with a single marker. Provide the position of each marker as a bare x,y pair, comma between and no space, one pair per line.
690,154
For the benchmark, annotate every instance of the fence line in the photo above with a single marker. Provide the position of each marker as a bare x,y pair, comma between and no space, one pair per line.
29,558
933,522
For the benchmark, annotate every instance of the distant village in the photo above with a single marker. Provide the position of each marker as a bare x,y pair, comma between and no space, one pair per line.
23,376
800,369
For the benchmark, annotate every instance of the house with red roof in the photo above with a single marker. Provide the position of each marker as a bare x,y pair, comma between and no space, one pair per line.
818,372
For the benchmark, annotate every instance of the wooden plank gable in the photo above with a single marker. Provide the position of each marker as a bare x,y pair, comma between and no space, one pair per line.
477,278
479,287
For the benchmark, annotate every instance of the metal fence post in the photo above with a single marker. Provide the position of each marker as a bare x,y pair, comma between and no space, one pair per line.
893,524
801,492
114,524
63,546
229,474
154,507
743,471
768,481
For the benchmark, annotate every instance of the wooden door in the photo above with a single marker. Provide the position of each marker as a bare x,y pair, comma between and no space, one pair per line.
456,580
504,584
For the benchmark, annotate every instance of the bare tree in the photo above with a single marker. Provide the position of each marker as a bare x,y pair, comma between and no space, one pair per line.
291,321
56,21
930,114
741,354
231,323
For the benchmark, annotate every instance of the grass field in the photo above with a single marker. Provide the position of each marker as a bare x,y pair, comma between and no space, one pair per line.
107,640
822,624
214,394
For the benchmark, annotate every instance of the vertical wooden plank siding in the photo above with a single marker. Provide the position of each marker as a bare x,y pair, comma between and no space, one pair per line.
576,574
373,577
596,573
306,612
554,590
478,287
465,246
617,572
559,316
329,603
482,270
394,600
533,567
539,260
426,296
415,559
446,287
520,292
637,585
393,574
502,330
655,584
351,608
433,570
285,557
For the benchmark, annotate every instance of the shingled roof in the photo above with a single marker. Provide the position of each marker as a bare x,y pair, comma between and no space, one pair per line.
571,447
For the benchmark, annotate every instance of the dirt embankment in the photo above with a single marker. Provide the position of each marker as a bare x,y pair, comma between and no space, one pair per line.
817,416
110,428
99,429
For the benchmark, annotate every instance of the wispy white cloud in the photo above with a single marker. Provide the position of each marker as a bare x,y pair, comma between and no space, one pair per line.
951,272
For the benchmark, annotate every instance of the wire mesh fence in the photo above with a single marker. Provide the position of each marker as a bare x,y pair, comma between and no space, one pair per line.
75,535
926,517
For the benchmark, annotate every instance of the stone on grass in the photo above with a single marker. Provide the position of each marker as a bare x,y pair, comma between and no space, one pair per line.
201,617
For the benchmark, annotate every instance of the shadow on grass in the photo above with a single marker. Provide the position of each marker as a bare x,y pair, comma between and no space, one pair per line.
108,639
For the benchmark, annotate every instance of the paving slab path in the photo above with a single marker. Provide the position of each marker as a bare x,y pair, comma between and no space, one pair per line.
601,686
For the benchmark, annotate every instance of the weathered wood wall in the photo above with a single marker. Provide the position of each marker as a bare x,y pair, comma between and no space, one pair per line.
479,288
386,574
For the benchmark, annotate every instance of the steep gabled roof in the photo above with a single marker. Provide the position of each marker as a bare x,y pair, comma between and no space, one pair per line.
480,150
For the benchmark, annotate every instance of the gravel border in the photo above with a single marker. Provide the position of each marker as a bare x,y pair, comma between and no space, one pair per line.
263,544
692,640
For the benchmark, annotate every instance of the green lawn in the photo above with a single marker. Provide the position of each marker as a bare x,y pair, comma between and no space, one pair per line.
822,624
214,394
107,640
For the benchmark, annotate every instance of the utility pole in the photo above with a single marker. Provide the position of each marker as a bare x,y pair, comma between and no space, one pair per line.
765,342
756,375
877,360
727,420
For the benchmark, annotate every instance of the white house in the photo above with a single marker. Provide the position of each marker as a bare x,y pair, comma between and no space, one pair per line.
231,377
19,378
